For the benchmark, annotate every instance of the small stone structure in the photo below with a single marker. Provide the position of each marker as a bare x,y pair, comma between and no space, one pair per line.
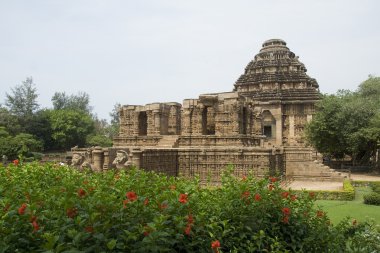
258,127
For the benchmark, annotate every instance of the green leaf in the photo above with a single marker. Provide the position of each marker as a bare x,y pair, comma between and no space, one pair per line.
111,244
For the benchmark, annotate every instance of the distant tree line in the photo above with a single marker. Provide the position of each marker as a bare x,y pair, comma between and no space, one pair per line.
26,128
347,124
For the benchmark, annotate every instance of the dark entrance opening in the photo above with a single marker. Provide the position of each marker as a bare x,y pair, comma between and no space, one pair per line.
244,121
143,123
208,121
268,131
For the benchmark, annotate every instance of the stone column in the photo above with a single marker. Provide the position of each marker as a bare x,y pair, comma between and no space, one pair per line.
291,128
157,122
98,159
136,157
106,160
309,117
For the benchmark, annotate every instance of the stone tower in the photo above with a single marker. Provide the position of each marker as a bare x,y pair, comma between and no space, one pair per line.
275,83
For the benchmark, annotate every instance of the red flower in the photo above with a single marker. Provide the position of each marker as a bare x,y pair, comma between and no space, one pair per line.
15,162
132,196
215,245
293,197
22,208
172,187
285,195
271,187
183,198
273,179
285,219
244,178
311,195
147,230
89,229
71,212
146,202
35,226
162,206
187,229
257,197
320,213
286,211
245,195
81,192
125,202
190,219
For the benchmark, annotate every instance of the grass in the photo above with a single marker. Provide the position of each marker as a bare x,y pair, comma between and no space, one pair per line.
356,209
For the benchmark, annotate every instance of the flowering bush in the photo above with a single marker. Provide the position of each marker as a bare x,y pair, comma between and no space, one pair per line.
56,209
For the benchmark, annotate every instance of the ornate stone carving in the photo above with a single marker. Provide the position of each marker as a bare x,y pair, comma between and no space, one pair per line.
122,159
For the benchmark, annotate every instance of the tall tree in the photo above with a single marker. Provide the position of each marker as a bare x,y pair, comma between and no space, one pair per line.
70,128
23,99
115,120
78,102
347,123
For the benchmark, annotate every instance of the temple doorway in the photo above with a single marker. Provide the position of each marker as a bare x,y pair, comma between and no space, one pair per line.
143,123
208,121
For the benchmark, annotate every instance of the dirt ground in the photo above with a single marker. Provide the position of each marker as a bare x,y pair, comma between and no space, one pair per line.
325,185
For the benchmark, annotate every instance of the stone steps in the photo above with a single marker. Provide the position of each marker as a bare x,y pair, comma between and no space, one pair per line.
168,141
310,170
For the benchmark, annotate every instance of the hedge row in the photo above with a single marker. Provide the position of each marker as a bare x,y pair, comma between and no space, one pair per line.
348,193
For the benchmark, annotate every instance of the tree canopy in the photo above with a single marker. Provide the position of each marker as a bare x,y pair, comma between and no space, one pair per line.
23,99
348,123
79,102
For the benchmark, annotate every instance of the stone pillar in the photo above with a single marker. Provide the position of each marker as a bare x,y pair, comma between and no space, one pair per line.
106,159
136,157
309,117
157,122
98,159
291,128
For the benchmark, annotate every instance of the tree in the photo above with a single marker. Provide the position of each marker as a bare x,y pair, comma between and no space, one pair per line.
9,121
79,102
70,128
23,99
348,123
20,145
115,120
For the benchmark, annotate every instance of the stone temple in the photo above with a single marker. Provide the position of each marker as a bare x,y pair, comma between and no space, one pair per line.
257,127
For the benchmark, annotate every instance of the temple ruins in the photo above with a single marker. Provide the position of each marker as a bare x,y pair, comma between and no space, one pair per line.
257,127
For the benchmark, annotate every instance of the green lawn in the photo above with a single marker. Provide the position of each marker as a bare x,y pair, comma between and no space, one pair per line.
356,209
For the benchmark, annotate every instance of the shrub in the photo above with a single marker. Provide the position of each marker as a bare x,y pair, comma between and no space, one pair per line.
375,187
59,209
372,199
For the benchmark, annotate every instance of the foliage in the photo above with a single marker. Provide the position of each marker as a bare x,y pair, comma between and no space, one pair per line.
70,128
20,145
348,123
98,140
372,199
361,237
23,100
9,121
80,102
59,209
115,120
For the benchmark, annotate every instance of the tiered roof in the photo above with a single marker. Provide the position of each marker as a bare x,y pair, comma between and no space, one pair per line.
276,72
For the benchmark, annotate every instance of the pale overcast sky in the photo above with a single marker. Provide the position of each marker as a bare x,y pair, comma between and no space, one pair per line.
138,52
